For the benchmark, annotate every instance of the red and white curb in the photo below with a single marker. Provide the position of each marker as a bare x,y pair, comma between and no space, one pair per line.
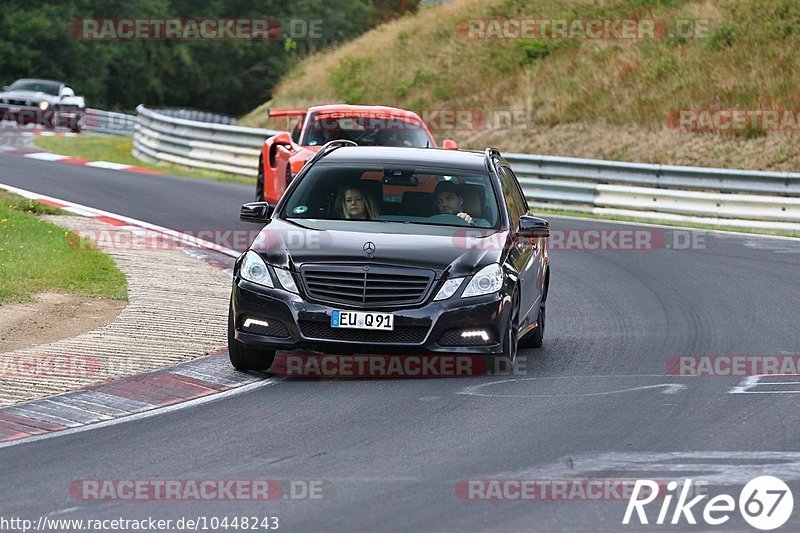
198,381
185,385
58,158
120,221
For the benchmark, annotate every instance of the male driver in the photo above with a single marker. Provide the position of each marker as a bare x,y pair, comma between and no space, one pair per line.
449,201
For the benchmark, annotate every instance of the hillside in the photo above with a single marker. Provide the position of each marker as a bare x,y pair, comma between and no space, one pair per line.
572,96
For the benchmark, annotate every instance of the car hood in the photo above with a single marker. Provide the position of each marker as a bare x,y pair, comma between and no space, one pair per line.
457,251
33,96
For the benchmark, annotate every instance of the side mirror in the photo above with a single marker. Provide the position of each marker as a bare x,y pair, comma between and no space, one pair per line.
257,212
67,92
283,138
450,144
533,226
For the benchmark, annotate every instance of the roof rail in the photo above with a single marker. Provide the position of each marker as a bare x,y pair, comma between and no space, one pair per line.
329,147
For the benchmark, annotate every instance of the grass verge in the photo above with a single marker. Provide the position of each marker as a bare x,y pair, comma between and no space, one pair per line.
117,149
37,256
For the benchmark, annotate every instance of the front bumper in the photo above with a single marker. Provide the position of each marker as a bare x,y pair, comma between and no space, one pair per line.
50,116
430,328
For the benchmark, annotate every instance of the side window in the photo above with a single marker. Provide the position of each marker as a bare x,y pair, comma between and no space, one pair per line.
509,196
296,130
519,195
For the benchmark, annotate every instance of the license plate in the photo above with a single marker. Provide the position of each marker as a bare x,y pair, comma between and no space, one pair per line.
362,320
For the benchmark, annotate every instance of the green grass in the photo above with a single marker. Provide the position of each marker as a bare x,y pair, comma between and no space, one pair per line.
117,149
620,218
37,256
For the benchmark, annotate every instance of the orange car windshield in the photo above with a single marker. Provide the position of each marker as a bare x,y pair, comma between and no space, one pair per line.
367,130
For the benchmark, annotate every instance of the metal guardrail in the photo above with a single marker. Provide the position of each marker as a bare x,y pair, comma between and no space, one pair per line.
206,145
722,197
198,116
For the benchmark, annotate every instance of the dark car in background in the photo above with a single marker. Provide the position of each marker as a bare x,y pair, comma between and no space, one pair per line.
45,102
410,275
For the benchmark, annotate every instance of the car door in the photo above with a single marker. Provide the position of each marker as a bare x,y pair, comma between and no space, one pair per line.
527,250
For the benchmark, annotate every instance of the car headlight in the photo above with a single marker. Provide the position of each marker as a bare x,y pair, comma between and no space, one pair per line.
286,280
489,279
254,269
448,289
44,105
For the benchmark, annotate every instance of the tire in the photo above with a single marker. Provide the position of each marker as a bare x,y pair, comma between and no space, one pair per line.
535,338
75,126
244,358
260,181
511,341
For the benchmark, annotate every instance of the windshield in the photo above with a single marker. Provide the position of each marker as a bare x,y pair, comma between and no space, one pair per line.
35,86
375,129
394,194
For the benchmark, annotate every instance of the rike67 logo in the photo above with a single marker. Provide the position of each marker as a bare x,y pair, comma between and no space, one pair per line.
765,503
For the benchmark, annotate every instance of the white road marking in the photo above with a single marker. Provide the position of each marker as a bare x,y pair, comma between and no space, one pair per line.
182,237
476,390
712,467
46,156
107,164
63,511
749,383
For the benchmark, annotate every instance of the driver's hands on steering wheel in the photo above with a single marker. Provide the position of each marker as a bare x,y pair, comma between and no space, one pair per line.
465,216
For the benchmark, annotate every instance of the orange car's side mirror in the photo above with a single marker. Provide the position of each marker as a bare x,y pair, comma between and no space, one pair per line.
283,138
450,144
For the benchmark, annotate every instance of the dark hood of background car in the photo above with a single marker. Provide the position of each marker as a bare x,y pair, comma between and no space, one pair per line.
437,248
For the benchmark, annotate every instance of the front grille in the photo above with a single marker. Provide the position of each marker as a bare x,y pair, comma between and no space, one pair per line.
400,335
68,107
28,103
377,287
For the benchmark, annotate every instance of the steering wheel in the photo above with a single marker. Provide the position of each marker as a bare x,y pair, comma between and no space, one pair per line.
447,218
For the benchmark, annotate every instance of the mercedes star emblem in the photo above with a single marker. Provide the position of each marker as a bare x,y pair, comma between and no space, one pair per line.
369,248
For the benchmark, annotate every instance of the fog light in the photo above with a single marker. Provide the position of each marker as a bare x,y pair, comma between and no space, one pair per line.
253,322
477,333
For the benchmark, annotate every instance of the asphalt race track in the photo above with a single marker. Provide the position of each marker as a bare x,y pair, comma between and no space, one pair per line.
597,401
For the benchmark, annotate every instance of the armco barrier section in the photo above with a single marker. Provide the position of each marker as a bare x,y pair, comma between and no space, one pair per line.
206,145
722,197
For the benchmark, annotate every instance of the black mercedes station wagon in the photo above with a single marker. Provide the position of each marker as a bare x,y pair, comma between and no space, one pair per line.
379,250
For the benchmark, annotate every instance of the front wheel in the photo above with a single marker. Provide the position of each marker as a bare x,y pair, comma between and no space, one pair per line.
76,125
244,358
511,340
535,338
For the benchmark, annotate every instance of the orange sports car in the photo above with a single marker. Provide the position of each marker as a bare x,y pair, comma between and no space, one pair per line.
284,154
